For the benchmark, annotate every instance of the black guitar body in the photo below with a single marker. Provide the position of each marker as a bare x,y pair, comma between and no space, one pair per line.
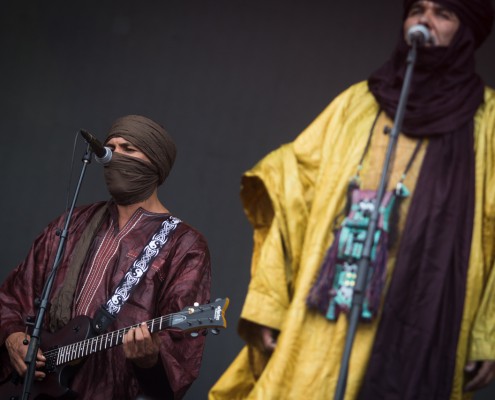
56,383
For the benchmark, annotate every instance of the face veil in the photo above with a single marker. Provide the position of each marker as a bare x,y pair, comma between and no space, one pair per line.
130,180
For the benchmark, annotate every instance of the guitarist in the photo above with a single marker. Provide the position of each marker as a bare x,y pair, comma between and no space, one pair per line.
104,240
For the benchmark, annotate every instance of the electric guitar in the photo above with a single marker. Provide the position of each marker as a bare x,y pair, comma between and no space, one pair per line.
76,340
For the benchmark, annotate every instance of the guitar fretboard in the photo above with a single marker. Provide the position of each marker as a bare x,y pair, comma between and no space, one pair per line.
78,350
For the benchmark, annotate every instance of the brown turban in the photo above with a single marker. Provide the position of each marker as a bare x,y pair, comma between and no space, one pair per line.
477,15
151,138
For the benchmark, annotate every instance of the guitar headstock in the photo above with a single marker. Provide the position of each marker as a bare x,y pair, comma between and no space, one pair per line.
202,316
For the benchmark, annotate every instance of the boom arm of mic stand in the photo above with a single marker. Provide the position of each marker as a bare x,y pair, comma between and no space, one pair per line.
34,343
364,262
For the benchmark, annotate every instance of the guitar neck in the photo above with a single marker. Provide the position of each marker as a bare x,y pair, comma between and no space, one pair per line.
74,342
78,350
191,318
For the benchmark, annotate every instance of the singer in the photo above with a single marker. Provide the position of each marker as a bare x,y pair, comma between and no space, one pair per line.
105,239
427,326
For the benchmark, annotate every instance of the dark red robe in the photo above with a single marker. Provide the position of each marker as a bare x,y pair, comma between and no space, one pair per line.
178,277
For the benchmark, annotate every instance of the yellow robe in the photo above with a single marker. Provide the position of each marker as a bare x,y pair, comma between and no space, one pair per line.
292,198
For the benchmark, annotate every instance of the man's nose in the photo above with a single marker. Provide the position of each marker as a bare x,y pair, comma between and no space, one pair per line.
425,19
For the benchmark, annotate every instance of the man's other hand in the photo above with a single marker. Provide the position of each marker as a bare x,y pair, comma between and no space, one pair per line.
479,374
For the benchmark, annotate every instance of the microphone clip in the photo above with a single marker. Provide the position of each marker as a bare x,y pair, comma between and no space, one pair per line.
103,155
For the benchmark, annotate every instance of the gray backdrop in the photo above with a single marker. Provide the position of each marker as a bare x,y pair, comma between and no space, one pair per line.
231,80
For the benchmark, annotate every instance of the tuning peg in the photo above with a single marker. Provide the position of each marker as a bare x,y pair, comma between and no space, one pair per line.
215,331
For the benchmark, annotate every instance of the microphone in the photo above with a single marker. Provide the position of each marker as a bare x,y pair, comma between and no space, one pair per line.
103,154
418,34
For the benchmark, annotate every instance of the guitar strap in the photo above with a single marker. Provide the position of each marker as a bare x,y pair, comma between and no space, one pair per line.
107,313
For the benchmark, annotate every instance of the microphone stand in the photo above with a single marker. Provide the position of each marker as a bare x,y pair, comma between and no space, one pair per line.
364,262
43,303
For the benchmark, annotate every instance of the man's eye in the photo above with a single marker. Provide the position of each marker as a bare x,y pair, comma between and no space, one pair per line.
446,15
414,11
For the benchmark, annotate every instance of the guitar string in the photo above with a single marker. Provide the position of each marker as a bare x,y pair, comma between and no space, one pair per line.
105,337
85,344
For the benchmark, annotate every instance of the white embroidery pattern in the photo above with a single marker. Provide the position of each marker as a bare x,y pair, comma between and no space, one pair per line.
141,265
